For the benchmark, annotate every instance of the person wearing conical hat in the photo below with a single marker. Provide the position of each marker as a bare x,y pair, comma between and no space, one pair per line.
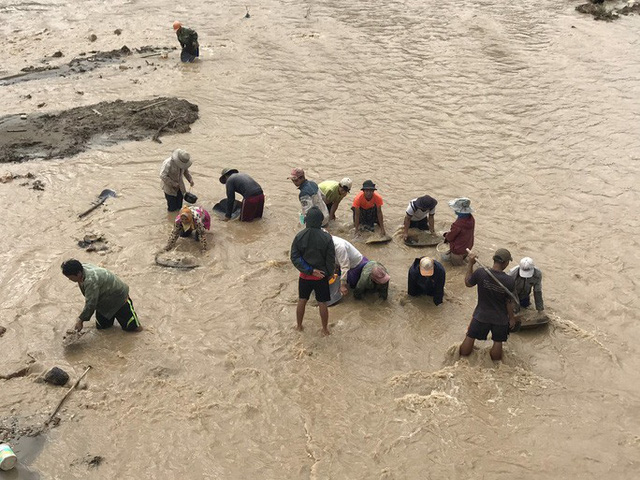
251,191
460,235
172,172
191,219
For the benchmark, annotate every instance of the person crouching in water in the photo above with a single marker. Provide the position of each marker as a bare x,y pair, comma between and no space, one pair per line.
313,254
460,236
373,278
190,220
104,293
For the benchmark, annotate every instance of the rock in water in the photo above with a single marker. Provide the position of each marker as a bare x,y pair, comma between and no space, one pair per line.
56,376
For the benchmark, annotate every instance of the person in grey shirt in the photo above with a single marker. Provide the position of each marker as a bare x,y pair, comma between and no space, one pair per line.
251,191
528,277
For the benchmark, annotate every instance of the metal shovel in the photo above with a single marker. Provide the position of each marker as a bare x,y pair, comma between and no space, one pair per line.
106,193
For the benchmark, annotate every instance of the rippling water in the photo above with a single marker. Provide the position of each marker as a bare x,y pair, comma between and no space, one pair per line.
530,109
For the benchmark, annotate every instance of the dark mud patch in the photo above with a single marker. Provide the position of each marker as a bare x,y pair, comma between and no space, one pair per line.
45,136
81,64
607,12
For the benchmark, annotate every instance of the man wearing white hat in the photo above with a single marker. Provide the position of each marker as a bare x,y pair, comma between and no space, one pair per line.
528,277
173,169
427,277
333,192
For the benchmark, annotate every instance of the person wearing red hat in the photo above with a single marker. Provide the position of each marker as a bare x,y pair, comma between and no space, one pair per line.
188,39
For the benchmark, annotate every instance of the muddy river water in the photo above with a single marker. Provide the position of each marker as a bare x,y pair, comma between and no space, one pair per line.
528,108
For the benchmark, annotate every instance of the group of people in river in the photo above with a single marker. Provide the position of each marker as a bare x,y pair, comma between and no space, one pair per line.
323,259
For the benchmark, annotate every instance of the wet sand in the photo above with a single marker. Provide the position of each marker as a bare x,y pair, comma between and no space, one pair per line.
502,102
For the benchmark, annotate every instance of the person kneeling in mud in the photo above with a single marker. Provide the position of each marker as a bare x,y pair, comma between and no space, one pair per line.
373,278
367,208
191,220
105,294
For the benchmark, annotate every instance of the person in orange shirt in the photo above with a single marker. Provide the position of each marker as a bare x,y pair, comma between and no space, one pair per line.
367,208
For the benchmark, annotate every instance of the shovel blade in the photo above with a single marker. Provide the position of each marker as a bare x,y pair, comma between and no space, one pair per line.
106,193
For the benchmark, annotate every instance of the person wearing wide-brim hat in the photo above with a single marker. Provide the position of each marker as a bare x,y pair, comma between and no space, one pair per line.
173,169
460,235
251,191
367,208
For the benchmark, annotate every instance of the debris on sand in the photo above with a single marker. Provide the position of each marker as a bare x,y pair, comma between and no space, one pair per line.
56,376
94,243
2,330
69,132
91,461
607,12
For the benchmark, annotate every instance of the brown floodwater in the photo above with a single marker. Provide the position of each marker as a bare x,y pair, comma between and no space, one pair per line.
528,108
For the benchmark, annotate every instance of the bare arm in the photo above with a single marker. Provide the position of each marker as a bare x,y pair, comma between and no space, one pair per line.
356,218
381,220
467,277
407,222
432,222
334,207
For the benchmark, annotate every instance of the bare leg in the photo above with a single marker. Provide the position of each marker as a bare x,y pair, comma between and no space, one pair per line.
324,316
467,346
302,304
496,351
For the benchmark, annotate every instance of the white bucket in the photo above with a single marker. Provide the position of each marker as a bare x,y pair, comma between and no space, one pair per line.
8,459
444,252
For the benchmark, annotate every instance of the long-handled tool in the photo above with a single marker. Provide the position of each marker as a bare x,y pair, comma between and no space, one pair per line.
106,193
515,299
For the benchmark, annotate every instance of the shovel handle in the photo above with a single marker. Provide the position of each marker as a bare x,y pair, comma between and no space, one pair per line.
509,292
86,212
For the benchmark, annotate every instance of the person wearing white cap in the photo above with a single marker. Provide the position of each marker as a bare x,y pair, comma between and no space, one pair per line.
173,169
528,277
460,235
427,277
333,192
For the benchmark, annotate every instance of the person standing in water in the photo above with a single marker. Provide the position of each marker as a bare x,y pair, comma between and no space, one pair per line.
309,196
313,254
251,191
188,39
494,310
173,169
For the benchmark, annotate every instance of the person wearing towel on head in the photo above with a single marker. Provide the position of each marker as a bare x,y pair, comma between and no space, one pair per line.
460,236
191,219
333,192
173,169
420,214
310,195
367,208
427,277
350,261
251,191
528,277
373,278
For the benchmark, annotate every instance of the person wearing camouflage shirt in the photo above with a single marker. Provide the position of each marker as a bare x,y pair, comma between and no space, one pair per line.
105,294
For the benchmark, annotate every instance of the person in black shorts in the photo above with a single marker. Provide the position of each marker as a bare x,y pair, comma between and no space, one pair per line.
494,311
313,254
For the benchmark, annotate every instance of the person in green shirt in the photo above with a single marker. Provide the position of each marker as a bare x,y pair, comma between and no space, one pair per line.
373,278
188,39
333,192
105,294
